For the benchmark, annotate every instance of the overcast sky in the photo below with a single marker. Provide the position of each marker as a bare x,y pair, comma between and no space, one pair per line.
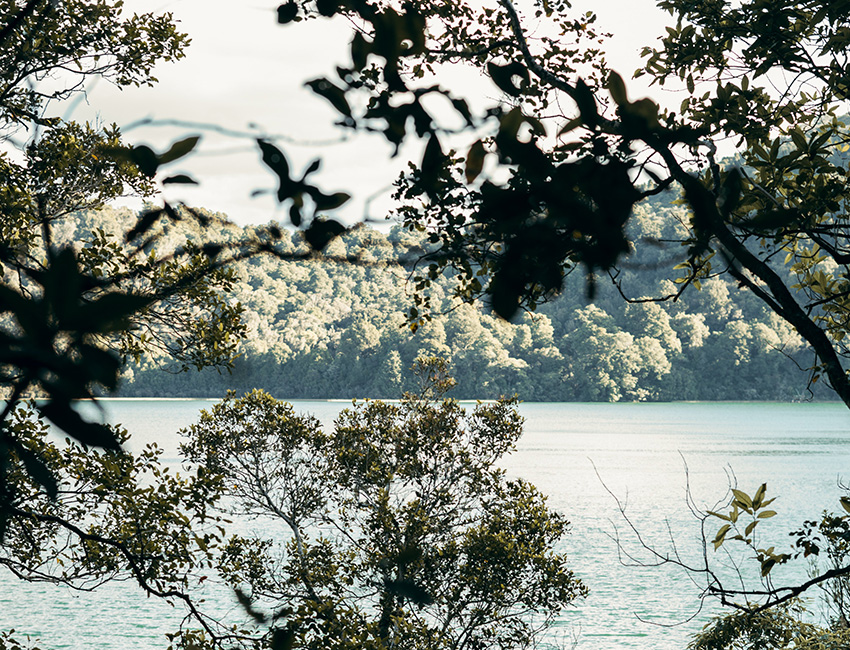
246,73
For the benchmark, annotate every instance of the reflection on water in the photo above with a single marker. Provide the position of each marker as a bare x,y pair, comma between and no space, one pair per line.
646,454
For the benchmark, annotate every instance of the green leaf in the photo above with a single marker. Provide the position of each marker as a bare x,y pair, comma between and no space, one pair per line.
181,179
721,534
248,605
462,107
759,495
759,151
321,232
179,149
277,162
586,103
475,161
773,219
145,159
282,639
111,312
503,77
645,110
295,214
617,88
360,50
313,167
730,191
718,515
766,514
144,223
799,139
742,498
274,158
92,434
432,159
329,201
101,366
571,125
327,8
334,94
774,149
510,122
536,125
63,286
38,470
410,590
287,12
818,142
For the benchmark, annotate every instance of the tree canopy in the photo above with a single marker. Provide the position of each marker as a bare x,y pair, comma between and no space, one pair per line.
73,313
397,528
770,77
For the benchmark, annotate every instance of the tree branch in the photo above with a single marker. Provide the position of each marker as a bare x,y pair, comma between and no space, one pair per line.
133,563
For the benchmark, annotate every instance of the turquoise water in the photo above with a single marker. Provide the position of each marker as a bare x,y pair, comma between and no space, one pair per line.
645,454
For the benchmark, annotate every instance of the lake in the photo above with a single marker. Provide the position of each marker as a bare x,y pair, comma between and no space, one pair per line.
579,454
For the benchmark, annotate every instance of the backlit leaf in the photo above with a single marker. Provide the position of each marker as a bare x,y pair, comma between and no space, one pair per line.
179,149
475,161
617,88
145,159
321,232
503,76
92,434
181,179
287,12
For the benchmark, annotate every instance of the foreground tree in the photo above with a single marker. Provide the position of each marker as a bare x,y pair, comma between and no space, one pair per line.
781,628
538,197
70,312
767,612
73,312
394,530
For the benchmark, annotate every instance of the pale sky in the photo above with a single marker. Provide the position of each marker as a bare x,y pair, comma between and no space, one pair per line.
245,72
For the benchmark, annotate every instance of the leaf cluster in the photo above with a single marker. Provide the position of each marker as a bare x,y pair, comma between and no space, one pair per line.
755,508
397,527
82,39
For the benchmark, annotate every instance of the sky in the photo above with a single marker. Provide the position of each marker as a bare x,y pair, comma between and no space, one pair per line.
245,73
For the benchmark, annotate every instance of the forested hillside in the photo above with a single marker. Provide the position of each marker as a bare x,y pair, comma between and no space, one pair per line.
324,329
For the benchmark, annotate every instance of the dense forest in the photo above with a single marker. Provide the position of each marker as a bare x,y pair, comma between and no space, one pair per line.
320,328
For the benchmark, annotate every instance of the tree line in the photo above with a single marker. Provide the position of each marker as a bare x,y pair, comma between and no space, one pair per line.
336,327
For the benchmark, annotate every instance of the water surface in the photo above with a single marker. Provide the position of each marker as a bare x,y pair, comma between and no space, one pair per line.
646,455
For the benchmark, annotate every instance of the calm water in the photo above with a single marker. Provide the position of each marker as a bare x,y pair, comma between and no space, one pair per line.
575,453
